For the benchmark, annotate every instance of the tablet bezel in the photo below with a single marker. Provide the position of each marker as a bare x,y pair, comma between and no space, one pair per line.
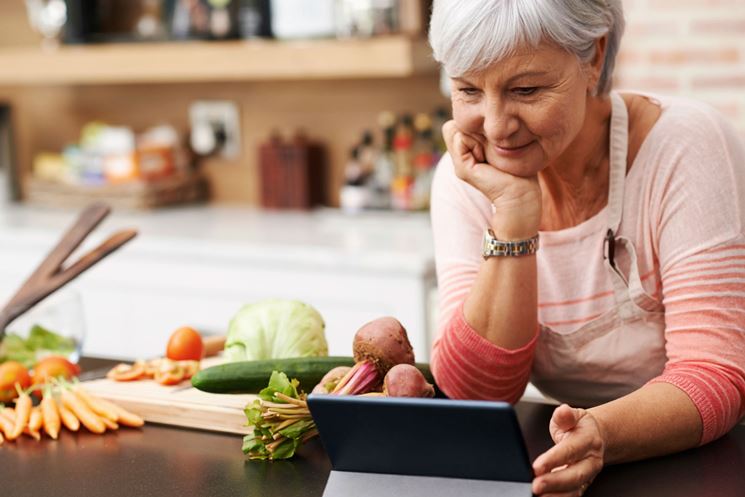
423,437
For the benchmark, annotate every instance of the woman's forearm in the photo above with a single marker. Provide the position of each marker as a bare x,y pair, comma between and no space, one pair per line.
503,303
655,420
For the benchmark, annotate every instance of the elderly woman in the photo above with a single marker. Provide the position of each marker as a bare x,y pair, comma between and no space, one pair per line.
589,241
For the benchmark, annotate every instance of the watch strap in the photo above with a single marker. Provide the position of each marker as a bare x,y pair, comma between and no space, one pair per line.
498,248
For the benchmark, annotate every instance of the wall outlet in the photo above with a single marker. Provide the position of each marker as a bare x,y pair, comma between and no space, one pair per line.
215,128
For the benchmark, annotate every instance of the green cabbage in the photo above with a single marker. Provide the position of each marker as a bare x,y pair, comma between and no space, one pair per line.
275,329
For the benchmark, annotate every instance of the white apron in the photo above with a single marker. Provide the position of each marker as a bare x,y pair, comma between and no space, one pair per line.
622,349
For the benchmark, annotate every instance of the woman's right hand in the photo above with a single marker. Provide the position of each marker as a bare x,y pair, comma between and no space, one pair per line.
516,199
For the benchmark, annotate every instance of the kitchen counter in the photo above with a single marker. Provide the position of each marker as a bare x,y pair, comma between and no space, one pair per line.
372,241
164,461
198,265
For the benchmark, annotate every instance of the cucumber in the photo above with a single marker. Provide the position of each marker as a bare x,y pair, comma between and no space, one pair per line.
253,376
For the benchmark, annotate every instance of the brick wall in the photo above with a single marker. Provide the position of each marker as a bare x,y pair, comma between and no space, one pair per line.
694,48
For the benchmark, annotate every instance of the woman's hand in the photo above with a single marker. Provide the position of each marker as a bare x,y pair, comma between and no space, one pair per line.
568,468
516,200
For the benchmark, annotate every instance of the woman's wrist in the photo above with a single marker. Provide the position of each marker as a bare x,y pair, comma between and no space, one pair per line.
517,216
513,228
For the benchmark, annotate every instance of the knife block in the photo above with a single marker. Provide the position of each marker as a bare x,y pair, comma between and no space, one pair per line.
293,174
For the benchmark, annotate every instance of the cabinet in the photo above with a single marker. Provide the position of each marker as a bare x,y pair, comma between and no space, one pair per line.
198,266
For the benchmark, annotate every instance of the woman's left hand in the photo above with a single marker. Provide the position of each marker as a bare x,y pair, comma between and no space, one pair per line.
568,468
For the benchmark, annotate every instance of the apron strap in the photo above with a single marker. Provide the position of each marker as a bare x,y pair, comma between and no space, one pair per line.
619,144
619,132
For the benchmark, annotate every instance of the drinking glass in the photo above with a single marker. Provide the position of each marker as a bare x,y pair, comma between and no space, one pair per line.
60,314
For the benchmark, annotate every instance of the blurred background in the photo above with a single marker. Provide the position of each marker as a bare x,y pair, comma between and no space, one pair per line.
278,148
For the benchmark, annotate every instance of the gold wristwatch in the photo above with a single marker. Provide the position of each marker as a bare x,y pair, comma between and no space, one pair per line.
498,248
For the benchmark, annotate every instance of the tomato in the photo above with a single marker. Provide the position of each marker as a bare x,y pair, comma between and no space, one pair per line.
12,372
125,372
54,367
185,344
169,372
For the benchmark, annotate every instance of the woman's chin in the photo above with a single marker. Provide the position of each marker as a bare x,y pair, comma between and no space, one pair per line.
517,168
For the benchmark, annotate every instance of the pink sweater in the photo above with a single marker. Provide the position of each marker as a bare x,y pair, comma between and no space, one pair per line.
684,206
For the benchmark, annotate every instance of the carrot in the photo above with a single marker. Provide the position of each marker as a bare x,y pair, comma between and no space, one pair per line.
7,423
123,416
110,425
68,418
2,439
88,418
96,406
23,412
35,420
50,415
34,424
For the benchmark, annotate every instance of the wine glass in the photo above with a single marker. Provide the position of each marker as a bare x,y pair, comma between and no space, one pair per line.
47,17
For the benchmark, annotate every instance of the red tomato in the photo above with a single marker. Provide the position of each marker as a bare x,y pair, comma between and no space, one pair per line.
54,367
12,372
185,344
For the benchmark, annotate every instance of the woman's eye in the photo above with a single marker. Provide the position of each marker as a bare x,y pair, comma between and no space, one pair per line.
469,91
524,91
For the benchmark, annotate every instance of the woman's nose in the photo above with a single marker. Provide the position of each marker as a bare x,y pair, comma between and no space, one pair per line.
500,124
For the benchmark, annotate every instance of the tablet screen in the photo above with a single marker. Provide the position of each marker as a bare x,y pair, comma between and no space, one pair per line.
422,437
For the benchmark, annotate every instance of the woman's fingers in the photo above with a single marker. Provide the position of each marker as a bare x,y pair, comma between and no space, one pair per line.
575,493
462,145
570,465
448,133
564,419
473,146
566,452
572,479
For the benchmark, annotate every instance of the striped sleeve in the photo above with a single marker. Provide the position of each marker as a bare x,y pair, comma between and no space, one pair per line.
466,365
704,301
701,250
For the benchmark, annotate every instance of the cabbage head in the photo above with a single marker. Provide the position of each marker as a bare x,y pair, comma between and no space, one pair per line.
275,329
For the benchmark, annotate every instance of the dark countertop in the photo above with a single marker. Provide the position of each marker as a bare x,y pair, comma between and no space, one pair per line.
166,461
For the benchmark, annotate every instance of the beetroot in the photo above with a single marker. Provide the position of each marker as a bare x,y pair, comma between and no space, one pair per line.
331,379
405,380
384,343
378,346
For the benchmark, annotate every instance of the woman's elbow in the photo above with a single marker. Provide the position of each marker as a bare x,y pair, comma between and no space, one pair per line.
456,383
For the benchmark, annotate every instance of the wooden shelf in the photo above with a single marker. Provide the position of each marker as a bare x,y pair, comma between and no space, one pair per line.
185,62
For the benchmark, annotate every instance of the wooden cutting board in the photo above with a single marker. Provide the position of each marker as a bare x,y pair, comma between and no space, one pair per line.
179,405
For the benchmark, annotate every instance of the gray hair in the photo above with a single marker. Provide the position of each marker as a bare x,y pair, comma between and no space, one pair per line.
470,35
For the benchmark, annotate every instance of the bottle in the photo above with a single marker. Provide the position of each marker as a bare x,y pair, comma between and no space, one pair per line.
403,181
367,153
254,19
223,19
384,164
440,118
402,141
118,150
354,195
423,160
149,26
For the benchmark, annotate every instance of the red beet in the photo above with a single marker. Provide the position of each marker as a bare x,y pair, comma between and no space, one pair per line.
384,343
405,380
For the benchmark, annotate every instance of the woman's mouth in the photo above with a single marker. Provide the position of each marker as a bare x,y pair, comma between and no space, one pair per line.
512,151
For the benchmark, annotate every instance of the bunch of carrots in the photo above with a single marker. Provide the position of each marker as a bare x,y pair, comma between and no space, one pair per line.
66,405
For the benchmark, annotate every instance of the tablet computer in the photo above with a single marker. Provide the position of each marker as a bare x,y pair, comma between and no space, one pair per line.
463,439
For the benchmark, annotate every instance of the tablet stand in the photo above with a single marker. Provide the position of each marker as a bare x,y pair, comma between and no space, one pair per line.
347,483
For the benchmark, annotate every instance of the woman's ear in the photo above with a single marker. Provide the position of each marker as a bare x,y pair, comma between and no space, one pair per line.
596,64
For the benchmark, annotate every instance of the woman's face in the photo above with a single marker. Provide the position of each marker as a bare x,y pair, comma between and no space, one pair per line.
525,109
